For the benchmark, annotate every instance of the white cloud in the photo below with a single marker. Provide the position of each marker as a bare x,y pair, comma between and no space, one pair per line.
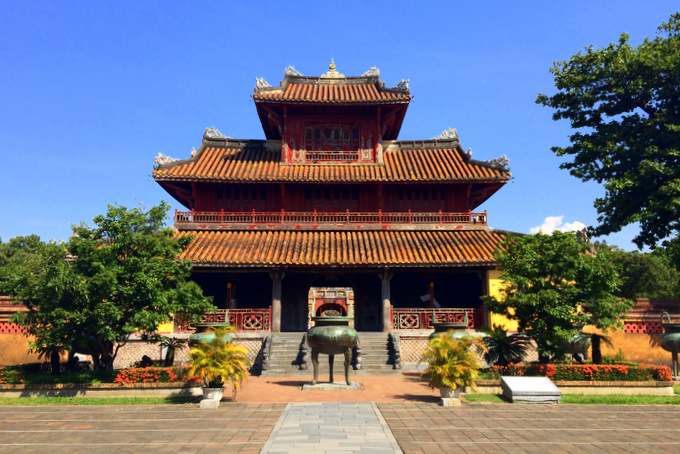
553,223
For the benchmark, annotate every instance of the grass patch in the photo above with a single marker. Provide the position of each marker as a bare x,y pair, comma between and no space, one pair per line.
618,399
14,401
83,376
583,399
491,398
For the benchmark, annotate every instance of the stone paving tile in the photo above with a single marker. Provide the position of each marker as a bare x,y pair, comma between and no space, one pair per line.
233,427
424,427
331,427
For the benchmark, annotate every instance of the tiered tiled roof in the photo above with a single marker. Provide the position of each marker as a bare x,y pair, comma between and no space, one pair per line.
260,161
332,88
314,90
303,249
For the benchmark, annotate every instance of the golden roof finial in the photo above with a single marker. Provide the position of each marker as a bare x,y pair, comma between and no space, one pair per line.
332,73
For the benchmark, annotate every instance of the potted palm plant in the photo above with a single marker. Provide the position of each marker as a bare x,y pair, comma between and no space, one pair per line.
217,362
452,363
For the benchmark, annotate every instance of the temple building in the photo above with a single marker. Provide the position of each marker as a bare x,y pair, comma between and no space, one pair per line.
332,203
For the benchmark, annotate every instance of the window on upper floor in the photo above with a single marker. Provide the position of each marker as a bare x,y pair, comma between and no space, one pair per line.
332,137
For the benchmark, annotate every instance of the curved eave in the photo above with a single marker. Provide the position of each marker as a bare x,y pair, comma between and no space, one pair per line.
341,249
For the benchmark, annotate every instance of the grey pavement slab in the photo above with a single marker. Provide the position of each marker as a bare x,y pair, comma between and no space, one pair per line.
425,427
418,427
336,427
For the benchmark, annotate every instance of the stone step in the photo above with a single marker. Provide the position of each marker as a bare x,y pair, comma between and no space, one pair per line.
285,354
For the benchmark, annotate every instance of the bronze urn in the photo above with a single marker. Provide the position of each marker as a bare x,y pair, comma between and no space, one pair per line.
331,335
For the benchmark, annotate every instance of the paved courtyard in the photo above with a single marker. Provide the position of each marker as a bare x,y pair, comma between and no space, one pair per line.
416,427
402,415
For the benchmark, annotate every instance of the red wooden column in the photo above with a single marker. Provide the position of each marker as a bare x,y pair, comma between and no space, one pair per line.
277,280
385,276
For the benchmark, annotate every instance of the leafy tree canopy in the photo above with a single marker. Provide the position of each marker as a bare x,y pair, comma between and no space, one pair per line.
643,275
14,254
553,287
624,103
118,277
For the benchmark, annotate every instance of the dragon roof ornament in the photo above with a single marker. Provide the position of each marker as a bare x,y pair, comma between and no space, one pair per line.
291,71
501,163
371,72
261,83
448,133
161,159
213,133
403,85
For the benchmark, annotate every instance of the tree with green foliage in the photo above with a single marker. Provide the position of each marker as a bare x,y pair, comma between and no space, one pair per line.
643,275
21,262
119,277
624,103
554,286
15,254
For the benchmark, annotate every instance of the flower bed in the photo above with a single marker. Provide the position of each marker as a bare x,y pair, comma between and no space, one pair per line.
153,375
10,376
586,372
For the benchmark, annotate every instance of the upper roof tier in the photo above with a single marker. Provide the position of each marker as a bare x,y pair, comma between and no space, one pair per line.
331,95
332,88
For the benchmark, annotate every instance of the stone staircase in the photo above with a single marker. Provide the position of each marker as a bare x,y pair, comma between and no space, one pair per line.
290,356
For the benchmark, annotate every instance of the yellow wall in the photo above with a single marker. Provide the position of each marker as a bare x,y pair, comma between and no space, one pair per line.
14,350
636,347
495,285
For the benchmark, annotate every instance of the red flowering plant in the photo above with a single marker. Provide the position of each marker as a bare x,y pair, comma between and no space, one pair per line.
153,375
10,376
586,372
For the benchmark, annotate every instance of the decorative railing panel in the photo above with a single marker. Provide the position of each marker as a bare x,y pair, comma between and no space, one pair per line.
242,319
315,217
419,318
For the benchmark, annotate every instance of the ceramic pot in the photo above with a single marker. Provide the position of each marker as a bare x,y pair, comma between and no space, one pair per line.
213,393
448,393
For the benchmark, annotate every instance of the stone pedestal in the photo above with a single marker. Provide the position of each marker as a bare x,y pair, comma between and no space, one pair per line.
539,390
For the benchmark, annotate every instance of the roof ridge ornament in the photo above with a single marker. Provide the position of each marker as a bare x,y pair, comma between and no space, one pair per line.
161,159
501,163
261,83
448,133
332,73
371,72
213,133
291,71
403,85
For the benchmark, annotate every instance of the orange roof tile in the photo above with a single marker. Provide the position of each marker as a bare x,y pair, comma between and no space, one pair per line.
301,249
259,161
319,92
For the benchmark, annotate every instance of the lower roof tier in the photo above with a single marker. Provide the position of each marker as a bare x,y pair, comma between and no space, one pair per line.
341,249
256,161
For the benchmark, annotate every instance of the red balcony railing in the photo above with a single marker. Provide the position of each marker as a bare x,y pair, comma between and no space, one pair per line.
417,318
317,217
242,319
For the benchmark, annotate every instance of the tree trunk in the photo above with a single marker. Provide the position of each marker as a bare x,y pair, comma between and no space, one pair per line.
54,361
170,357
597,349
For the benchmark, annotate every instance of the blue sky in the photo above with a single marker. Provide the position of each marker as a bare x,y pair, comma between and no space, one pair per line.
91,92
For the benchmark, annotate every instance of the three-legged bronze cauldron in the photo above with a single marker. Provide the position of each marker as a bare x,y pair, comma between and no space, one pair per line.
331,335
